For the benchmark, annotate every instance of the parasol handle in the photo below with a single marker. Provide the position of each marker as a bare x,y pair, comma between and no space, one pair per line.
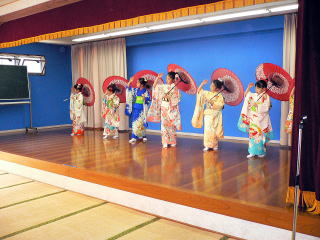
216,94
266,91
173,87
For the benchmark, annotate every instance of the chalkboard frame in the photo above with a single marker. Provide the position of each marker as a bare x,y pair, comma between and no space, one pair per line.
29,94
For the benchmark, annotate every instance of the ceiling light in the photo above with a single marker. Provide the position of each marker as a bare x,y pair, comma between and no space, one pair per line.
125,32
175,24
235,15
284,8
89,38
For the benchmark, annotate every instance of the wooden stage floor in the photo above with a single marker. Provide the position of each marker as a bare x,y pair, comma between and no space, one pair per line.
224,182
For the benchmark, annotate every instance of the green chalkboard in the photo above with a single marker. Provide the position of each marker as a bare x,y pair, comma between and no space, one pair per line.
14,83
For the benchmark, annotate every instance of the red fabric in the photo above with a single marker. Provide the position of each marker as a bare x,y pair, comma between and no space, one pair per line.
234,96
90,96
273,72
307,98
191,87
87,13
120,82
147,74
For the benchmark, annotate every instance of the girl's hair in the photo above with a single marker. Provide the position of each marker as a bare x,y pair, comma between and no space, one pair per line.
172,75
113,88
217,83
144,82
78,87
261,84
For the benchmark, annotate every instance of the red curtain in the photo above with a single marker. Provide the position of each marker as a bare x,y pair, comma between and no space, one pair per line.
87,13
307,101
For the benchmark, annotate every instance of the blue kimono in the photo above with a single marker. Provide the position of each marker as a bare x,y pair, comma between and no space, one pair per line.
137,106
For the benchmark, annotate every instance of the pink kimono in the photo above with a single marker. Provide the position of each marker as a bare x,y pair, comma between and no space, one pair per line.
165,108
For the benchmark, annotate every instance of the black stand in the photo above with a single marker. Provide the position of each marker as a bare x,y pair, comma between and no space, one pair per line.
297,180
31,129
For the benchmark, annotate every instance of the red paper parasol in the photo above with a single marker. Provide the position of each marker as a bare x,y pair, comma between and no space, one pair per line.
120,82
147,74
186,84
233,88
279,82
87,91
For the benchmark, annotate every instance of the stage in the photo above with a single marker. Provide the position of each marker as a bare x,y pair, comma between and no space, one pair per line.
223,182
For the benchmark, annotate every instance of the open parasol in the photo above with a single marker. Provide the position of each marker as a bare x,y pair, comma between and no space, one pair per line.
279,82
232,86
149,75
121,84
185,82
87,91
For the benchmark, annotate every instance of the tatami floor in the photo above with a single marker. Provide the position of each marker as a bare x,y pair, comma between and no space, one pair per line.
34,210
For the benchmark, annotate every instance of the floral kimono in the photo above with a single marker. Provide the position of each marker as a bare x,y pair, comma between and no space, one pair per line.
288,124
212,116
137,106
110,112
256,121
165,108
77,113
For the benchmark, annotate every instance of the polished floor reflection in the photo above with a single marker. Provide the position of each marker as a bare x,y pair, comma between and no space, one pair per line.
225,173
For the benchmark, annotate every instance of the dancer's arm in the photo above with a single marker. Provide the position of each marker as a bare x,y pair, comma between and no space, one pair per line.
204,82
157,79
250,85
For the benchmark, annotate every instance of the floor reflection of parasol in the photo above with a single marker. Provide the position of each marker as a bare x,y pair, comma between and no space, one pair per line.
232,88
279,82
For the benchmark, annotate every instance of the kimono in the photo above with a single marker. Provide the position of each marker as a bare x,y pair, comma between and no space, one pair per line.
212,116
137,106
165,108
288,124
256,121
77,114
110,113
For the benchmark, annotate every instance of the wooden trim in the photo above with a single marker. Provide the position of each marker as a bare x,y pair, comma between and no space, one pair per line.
35,9
6,2
273,216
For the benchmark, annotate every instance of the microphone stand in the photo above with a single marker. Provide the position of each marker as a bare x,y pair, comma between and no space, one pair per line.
297,179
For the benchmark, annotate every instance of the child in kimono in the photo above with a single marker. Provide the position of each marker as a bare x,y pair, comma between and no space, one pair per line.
211,115
288,123
137,106
110,112
165,108
255,119
77,110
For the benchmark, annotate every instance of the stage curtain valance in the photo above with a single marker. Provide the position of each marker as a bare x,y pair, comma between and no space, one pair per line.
92,16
